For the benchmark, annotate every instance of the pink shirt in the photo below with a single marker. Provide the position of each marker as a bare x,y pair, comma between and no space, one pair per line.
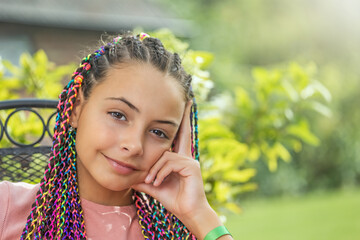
102,222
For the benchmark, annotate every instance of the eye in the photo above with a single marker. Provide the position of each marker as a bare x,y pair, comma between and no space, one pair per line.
159,133
118,116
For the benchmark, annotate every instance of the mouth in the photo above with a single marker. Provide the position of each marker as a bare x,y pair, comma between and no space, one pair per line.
121,167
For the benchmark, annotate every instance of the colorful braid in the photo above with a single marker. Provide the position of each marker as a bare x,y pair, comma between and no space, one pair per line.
56,212
57,209
156,222
194,131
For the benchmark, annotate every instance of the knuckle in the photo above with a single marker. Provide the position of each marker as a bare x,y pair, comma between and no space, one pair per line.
167,154
196,164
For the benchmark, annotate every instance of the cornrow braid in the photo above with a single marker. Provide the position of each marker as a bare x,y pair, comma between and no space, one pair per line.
56,212
158,54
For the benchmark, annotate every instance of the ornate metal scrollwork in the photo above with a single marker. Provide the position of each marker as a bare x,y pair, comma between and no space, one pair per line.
29,105
25,161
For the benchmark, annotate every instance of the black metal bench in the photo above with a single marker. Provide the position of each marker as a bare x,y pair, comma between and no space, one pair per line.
25,138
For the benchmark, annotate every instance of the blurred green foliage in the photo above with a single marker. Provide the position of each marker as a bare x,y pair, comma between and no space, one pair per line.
270,121
269,34
35,77
272,117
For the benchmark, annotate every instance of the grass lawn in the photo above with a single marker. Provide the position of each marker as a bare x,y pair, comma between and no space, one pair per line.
330,216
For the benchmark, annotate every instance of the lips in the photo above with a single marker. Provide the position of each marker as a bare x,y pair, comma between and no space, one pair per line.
120,167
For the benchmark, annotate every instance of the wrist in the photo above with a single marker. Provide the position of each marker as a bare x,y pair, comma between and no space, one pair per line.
217,233
201,222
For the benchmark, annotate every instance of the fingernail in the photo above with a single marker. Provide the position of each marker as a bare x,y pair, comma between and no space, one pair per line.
148,179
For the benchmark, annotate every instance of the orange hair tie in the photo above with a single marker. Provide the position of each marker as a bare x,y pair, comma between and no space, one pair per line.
78,79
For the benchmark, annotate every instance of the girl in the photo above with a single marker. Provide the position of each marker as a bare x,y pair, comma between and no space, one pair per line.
122,163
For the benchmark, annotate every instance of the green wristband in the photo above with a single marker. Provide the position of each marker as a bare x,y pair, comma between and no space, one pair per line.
216,233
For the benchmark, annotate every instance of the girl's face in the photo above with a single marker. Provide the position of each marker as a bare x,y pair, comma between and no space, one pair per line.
129,120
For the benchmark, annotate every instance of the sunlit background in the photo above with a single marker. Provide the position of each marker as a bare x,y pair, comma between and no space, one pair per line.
286,81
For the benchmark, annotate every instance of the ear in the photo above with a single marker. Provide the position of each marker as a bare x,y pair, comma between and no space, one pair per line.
75,115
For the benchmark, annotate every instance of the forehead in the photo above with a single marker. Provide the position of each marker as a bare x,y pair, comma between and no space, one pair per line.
144,86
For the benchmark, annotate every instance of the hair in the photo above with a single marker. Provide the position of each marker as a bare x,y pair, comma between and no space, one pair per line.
56,211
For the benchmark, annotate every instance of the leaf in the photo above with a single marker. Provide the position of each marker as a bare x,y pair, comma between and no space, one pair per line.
248,187
291,91
316,87
271,155
5,94
272,164
320,108
254,153
169,41
229,151
282,152
10,83
200,58
41,58
240,176
211,128
301,130
233,207
296,145
10,67
322,90
222,191
299,76
237,154
260,75
242,99
26,61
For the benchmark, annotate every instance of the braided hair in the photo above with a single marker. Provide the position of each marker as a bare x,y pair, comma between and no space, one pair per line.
56,212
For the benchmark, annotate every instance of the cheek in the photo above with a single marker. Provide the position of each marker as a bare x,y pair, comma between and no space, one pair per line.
92,134
154,152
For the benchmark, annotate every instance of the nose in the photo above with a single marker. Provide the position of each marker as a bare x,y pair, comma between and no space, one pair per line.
132,144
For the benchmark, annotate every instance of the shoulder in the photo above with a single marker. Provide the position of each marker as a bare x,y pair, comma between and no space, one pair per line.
15,205
19,187
17,194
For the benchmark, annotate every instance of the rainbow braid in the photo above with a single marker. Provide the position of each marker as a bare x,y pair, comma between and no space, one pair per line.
56,212
156,222
194,131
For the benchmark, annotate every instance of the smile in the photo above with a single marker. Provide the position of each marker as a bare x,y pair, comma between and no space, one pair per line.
120,167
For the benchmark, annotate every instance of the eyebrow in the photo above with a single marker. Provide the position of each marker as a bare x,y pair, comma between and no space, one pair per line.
166,122
124,100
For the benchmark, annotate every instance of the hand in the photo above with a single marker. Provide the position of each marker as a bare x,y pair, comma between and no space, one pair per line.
175,179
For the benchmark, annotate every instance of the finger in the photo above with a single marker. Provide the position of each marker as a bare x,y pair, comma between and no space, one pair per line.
169,162
156,167
168,168
182,170
183,140
145,188
182,167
